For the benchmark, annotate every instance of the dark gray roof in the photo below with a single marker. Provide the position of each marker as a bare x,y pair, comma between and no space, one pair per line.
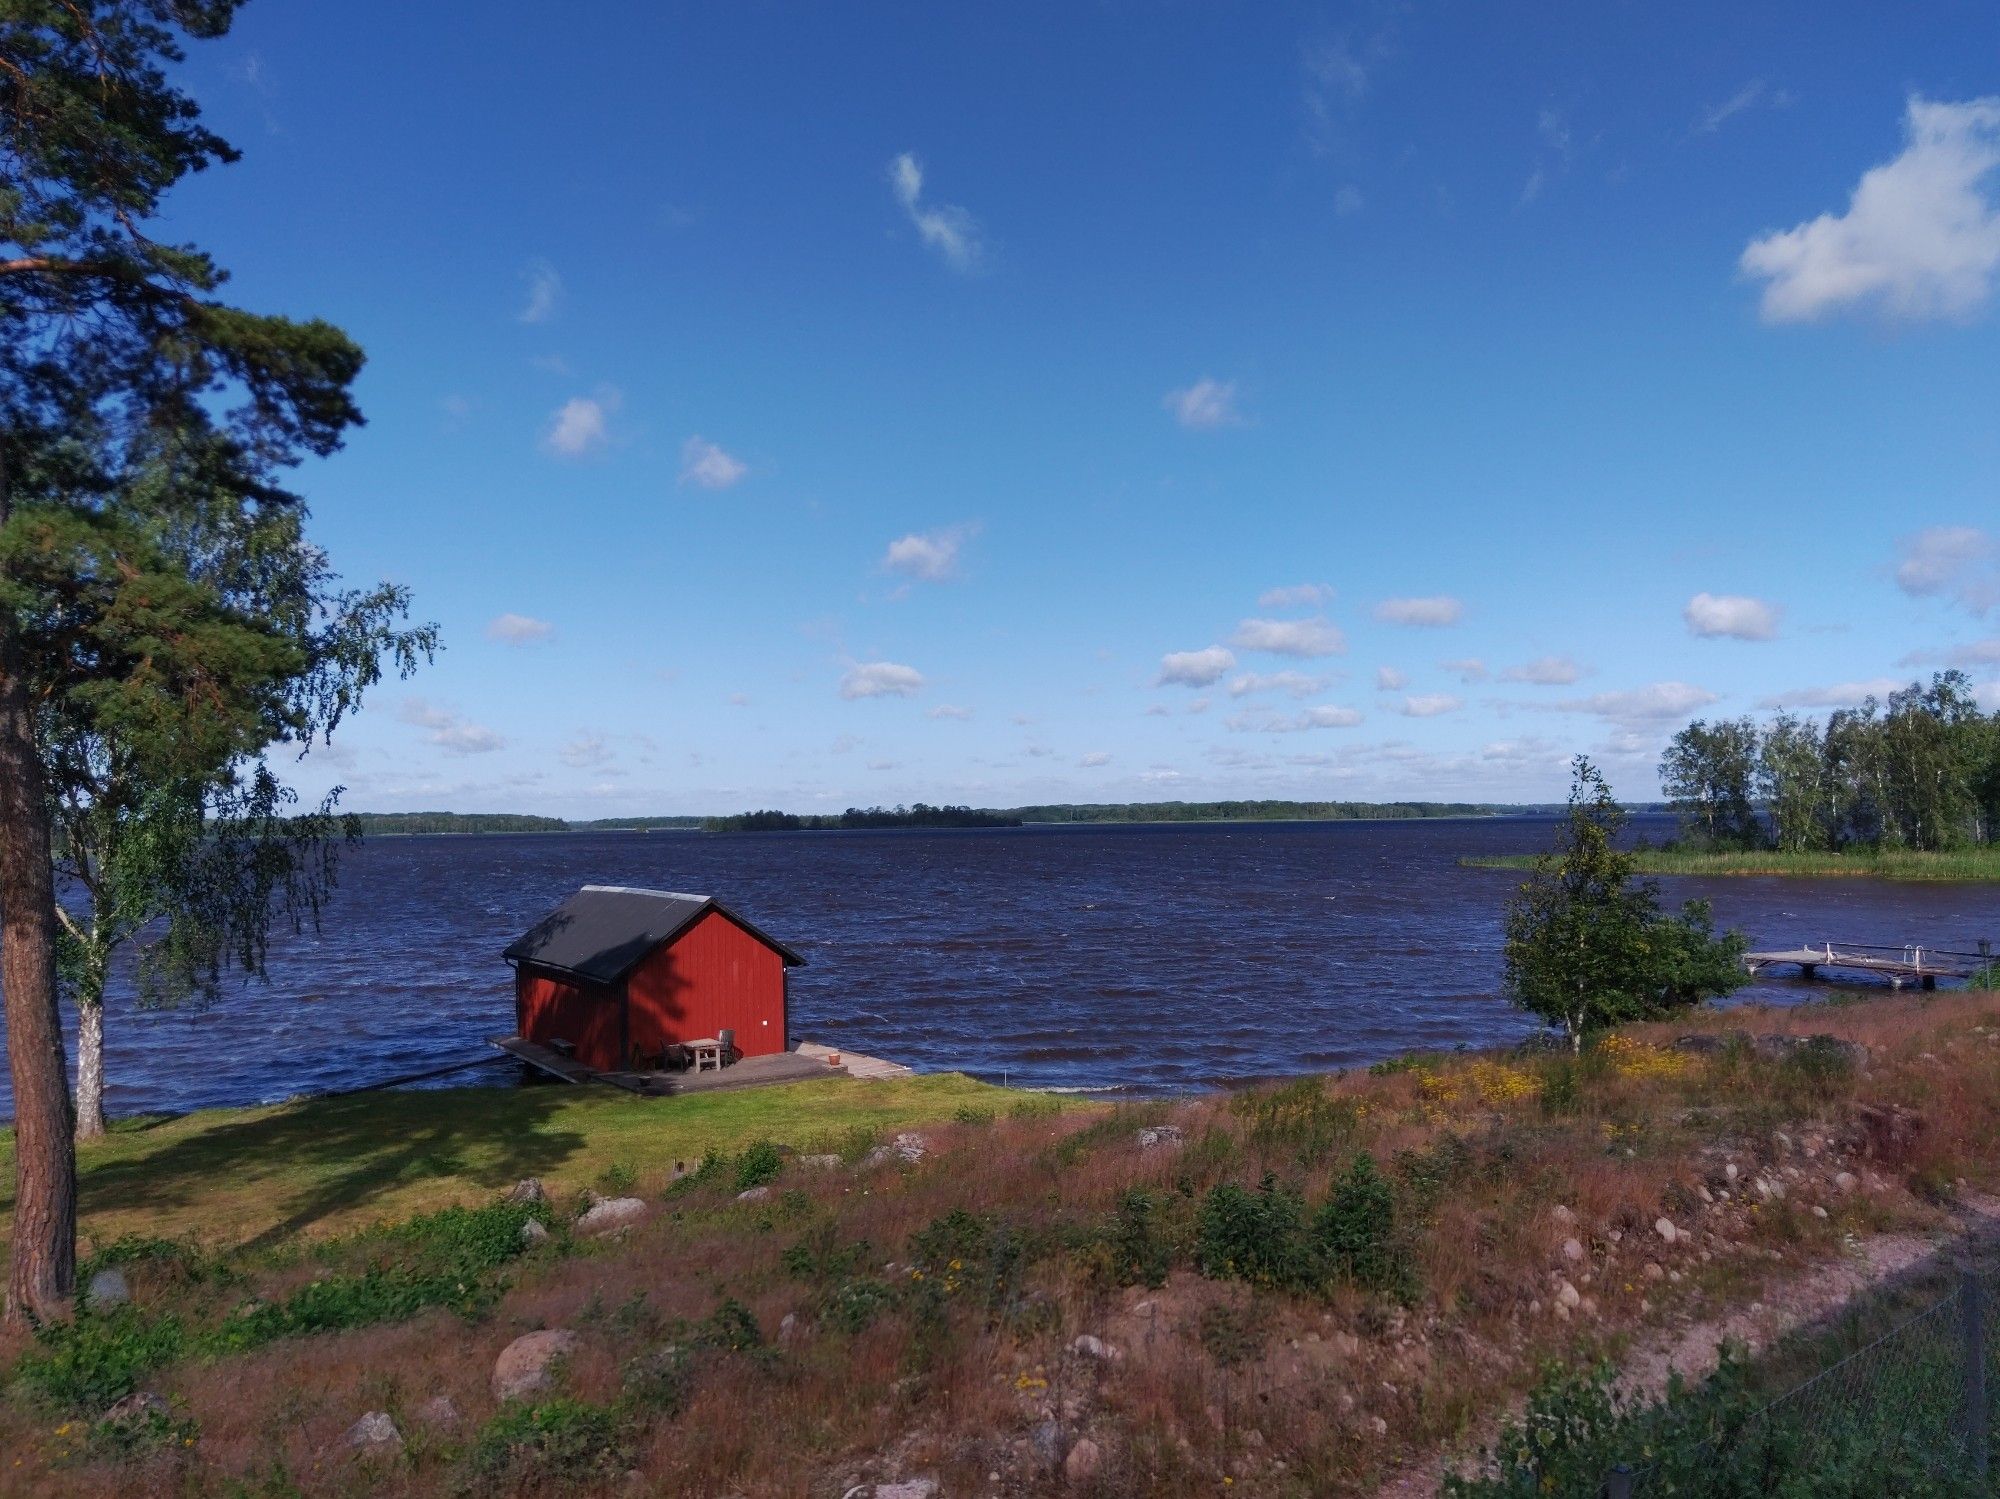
601,932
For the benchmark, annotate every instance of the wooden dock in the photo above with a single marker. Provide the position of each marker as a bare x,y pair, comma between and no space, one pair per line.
1899,965
803,1063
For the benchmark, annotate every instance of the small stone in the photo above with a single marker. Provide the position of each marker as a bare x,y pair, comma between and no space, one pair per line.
1563,1214
1568,1295
1664,1227
1818,1211
374,1430
1160,1136
611,1215
910,1147
908,1488
527,1365
1572,1250
1091,1346
753,1194
1847,1181
439,1410
108,1288
1377,1426
1084,1459
1654,1272
1730,1171
817,1162
788,1327
138,1406
534,1232
528,1190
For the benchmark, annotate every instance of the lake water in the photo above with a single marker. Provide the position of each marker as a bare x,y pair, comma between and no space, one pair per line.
1149,958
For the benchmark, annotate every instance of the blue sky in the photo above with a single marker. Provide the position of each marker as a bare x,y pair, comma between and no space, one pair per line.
819,405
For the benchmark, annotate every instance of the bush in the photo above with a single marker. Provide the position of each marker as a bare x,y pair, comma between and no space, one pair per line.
1254,1236
1820,1068
1138,1255
660,1381
853,1305
758,1166
730,1328
1354,1234
98,1356
1298,1117
566,1440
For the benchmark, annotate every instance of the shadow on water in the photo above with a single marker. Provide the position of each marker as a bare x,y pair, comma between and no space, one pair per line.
317,1160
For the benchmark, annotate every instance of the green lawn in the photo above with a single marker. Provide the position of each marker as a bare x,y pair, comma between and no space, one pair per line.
1976,864
233,1176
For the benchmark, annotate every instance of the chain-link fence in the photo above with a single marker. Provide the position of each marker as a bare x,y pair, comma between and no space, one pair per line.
1906,1415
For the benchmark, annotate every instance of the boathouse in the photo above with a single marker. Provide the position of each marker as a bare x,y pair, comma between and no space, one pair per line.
619,978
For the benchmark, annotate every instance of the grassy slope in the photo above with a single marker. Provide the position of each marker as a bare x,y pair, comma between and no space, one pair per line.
228,1176
1969,864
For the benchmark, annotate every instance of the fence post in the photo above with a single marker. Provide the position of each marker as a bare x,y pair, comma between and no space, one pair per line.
1971,1320
1618,1482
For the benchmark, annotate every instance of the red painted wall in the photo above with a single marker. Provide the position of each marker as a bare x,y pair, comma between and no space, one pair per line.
714,975
551,1009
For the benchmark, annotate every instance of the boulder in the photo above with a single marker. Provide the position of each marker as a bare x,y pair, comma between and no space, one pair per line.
1664,1227
818,1162
906,1147
753,1194
527,1365
534,1232
373,1432
108,1288
528,1189
439,1410
1084,1459
610,1214
1783,1048
1161,1136
1091,1346
140,1405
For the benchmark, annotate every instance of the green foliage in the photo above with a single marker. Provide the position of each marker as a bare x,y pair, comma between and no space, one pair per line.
1820,1068
1708,773
731,1328
1139,1253
98,1357
1354,1234
138,1436
1562,1088
561,1441
1255,1236
1587,944
1412,1061
758,1166
1233,1335
617,1178
853,1305
660,1380
1298,1117
714,1165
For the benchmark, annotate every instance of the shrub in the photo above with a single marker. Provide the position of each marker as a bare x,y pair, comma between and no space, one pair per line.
660,1380
1562,1089
564,1440
758,1166
731,1328
853,1305
1354,1234
1139,1255
1820,1068
617,1177
819,1256
98,1356
1254,1236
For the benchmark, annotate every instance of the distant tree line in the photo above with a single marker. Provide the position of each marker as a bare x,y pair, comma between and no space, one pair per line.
1920,771
916,815
384,824
1252,811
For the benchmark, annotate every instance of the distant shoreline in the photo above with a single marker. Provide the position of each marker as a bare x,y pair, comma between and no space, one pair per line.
1968,866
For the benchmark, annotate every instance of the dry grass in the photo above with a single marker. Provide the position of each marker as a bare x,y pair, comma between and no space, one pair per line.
1497,1161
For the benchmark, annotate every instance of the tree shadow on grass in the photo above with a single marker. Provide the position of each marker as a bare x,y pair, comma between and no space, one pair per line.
323,1157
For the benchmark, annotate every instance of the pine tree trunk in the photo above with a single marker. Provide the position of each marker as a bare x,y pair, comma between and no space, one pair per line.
43,1269
90,1067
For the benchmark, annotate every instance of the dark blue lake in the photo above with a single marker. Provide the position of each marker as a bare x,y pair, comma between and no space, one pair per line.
1145,958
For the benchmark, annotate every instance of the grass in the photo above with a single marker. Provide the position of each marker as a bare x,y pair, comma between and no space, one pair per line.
1973,864
321,1166
1313,1268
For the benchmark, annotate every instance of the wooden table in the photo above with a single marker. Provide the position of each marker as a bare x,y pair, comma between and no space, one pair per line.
707,1053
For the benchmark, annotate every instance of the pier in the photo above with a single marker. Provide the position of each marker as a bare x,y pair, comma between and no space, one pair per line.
805,1061
1899,965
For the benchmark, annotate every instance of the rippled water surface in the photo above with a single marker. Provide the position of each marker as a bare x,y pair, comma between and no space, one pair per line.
1147,958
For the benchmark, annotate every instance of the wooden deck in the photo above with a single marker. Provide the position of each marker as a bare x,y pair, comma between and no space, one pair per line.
1904,965
802,1063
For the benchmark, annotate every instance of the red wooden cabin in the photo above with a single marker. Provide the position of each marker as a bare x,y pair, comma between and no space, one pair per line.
621,975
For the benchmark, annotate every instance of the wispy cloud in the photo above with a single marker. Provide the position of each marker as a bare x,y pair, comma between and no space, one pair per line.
881,679
1429,705
1733,616
1839,695
1291,683
518,629
1296,596
931,556
587,751
1978,653
1202,668
1094,759
1319,716
1435,612
1205,405
1960,563
1654,703
1750,96
448,729
948,710
1389,679
1468,669
1544,671
945,227
707,466
580,427
1921,235
1305,638
544,294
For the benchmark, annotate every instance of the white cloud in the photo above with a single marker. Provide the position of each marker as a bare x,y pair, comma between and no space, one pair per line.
544,292
1660,700
1429,705
708,466
1427,613
929,555
1389,679
449,730
881,679
1840,695
948,710
1468,669
580,427
1978,653
1290,637
1732,615
1319,716
518,629
1204,405
1296,596
1920,237
946,228
1294,683
1094,759
1747,97
1202,668
586,751
1328,716
1544,671
1961,563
